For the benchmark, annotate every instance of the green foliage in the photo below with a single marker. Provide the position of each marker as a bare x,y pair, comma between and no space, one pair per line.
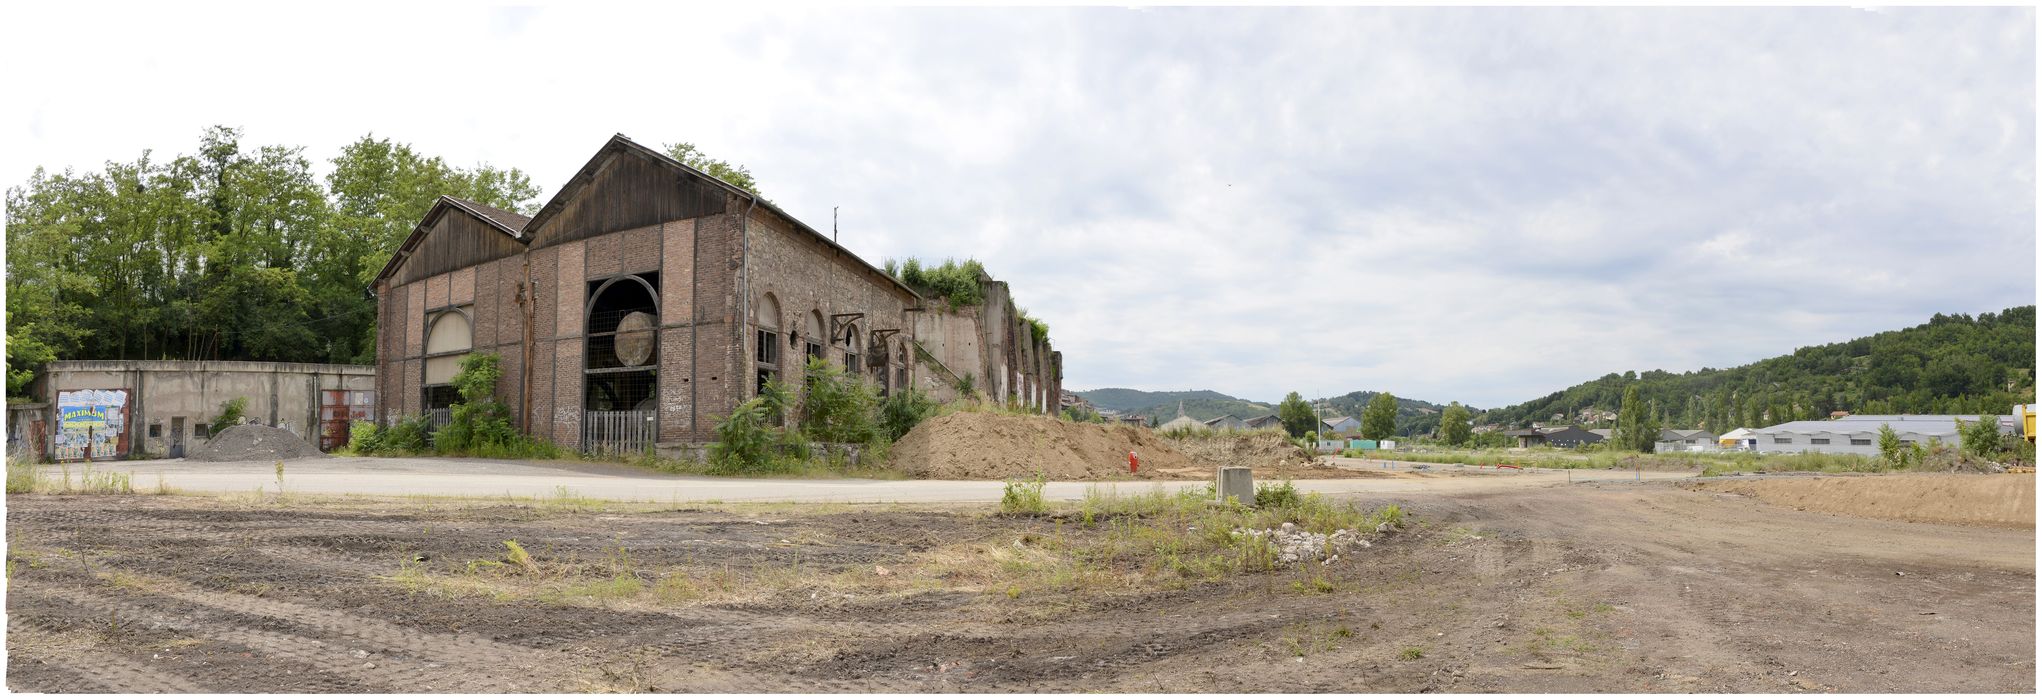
1379,420
1296,415
1637,427
1982,438
364,437
23,476
956,282
1490,439
406,437
966,386
1954,364
902,411
1891,450
1036,328
838,406
745,440
1453,425
230,414
1276,495
480,425
1024,497
228,253
1082,414
736,175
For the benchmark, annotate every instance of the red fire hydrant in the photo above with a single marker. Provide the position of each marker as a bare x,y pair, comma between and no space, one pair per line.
1133,463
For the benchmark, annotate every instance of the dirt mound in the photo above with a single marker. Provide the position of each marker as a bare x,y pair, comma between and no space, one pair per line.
253,443
1963,499
1004,446
1259,450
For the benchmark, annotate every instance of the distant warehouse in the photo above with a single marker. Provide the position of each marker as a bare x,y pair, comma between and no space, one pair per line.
1860,434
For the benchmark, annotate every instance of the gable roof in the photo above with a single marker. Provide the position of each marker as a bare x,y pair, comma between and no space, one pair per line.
510,223
621,144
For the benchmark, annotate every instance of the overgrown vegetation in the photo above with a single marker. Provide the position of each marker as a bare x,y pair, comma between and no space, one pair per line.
231,411
957,283
904,410
1036,327
480,425
230,251
1024,497
28,477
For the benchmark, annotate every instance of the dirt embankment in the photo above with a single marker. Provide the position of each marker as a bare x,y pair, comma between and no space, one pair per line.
2006,500
253,443
1005,446
1008,446
1258,450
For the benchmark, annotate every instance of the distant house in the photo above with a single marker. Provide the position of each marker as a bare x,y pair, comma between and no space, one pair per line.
1671,440
1182,422
1226,423
1340,424
1739,439
1262,422
1138,421
1558,436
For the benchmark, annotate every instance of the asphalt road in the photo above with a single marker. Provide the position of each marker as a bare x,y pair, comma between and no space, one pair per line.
485,478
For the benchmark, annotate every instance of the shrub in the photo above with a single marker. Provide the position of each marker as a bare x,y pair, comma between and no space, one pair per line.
364,437
406,436
744,441
904,410
230,414
839,405
1271,495
966,385
1036,327
22,476
1024,497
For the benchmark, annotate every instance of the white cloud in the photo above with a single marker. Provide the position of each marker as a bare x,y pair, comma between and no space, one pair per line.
1453,204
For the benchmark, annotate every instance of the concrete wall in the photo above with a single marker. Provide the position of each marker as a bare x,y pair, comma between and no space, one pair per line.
282,394
990,343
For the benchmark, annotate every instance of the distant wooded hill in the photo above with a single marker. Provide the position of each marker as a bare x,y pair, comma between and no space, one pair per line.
1414,417
1953,364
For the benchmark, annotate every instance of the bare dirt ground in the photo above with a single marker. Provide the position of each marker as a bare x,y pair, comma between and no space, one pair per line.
1604,587
1962,499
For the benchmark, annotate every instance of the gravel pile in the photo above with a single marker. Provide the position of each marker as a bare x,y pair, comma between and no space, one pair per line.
1295,545
253,443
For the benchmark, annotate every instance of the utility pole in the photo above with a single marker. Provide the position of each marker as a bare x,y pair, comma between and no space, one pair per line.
833,224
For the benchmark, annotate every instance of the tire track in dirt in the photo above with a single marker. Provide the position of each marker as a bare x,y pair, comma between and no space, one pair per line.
110,671
396,674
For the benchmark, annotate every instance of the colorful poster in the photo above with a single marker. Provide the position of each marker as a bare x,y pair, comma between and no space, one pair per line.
94,419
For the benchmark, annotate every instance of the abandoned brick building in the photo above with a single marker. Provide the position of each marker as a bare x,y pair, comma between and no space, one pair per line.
647,299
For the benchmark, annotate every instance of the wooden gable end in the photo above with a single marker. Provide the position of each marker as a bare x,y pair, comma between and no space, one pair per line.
454,240
624,190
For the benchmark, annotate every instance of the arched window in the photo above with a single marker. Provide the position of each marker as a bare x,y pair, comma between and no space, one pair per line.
813,335
622,346
448,339
853,349
766,339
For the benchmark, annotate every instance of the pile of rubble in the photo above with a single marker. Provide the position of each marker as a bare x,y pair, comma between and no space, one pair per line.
1295,545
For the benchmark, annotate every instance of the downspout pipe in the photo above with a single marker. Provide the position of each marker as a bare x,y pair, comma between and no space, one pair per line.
744,297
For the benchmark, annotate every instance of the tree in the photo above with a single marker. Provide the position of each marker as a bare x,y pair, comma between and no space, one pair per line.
692,157
1453,425
1379,420
1982,438
1890,448
1636,427
1296,415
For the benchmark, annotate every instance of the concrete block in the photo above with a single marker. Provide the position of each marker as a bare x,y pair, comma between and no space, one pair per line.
1238,483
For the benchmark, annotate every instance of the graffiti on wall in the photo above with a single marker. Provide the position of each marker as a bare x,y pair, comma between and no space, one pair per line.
92,423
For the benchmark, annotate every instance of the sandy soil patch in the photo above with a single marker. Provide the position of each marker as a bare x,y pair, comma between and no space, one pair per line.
2006,500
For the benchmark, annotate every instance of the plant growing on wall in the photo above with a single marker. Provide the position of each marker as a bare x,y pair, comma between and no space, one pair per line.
230,414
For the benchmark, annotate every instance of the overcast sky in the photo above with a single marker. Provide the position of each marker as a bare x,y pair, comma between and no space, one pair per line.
1450,204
